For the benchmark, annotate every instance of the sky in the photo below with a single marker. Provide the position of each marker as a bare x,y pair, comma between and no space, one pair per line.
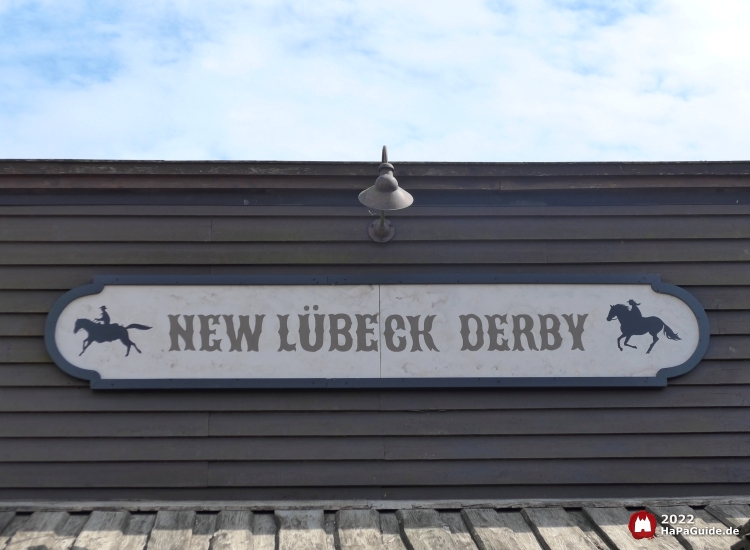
334,80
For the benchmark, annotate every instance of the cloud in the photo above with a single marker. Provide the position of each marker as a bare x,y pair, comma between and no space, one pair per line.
500,80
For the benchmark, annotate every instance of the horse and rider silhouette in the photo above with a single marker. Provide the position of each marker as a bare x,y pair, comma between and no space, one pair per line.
633,323
102,330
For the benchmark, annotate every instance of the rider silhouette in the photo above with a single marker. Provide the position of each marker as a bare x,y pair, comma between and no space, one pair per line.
634,308
104,317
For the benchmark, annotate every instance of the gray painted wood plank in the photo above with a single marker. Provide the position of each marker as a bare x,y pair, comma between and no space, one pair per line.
104,425
715,373
36,375
721,298
137,533
357,530
612,525
103,531
499,531
390,531
62,277
113,229
471,252
23,350
424,530
301,530
728,347
41,530
358,448
462,228
203,531
107,449
173,530
729,322
83,399
234,530
703,520
729,391
264,532
460,423
28,301
556,530
557,446
76,399
11,529
70,532
731,515
532,398
314,211
111,474
22,324
486,472
441,226
459,530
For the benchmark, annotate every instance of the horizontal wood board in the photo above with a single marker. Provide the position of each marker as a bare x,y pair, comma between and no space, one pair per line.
60,439
213,527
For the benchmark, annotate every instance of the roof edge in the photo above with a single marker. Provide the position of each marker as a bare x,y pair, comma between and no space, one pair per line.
63,167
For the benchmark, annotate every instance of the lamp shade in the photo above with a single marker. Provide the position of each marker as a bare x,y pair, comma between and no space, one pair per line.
385,194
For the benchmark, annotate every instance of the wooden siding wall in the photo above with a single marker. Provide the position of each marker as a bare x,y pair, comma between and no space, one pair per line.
59,439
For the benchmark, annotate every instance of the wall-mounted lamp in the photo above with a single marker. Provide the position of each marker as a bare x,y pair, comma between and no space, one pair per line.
384,195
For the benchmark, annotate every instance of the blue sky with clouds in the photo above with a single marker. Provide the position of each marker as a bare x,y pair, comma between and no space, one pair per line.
438,80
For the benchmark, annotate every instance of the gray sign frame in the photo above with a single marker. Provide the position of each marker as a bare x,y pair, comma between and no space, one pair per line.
99,282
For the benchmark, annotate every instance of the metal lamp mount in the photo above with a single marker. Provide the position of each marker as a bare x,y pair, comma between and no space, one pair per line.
384,195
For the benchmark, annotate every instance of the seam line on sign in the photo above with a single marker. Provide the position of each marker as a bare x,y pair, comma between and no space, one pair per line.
380,334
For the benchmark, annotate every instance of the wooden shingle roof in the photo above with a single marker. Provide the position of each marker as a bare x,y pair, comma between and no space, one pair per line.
207,526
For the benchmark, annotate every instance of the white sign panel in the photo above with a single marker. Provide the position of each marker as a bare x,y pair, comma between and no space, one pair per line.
130,332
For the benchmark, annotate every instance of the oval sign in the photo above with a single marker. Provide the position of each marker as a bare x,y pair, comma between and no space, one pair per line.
438,331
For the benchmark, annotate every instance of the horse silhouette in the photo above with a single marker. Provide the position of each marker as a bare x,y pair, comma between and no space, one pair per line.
632,323
108,332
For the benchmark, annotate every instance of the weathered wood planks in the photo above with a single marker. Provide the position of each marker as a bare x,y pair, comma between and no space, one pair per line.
103,531
172,530
557,530
5,519
612,525
530,528
43,529
203,531
731,515
500,531
461,535
11,529
357,529
301,530
138,531
424,530
234,530
702,521
70,532
390,532
264,532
